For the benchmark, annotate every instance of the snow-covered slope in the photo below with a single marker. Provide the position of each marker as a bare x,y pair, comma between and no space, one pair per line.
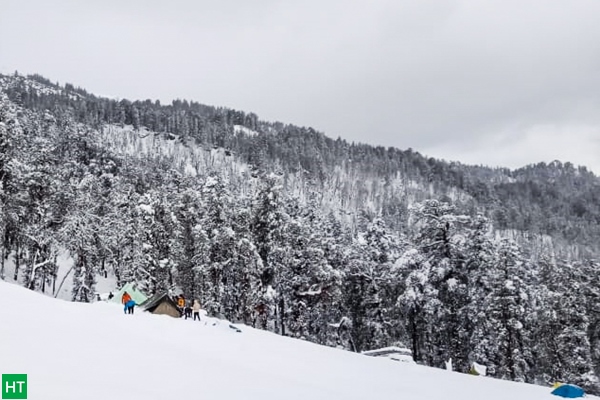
95,352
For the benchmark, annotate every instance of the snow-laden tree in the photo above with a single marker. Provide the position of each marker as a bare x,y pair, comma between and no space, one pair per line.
418,302
220,245
268,223
242,283
11,133
362,301
442,243
563,325
82,233
368,283
308,283
479,263
508,313
589,273
190,242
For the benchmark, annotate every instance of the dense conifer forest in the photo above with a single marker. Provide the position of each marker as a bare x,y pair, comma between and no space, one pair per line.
285,229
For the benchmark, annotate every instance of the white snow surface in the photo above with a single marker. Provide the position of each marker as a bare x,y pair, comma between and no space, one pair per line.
96,352
243,129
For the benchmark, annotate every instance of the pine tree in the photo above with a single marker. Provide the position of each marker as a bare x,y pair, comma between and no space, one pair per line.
267,228
242,283
189,244
479,263
418,301
509,310
311,286
563,345
10,135
438,226
369,275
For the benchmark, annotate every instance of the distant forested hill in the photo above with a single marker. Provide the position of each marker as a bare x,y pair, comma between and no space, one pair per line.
286,229
557,199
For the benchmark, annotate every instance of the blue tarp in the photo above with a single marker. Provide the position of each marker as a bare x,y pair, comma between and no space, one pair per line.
569,391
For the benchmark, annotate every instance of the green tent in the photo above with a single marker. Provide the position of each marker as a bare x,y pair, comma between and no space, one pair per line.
135,294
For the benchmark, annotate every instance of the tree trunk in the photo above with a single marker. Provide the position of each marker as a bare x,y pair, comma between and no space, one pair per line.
17,260
415,341
2,263
44,280
63,280
281,314
54,276
31,283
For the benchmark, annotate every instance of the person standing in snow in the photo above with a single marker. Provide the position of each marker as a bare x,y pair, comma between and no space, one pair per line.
125,298
181,304
188,310
129,306
196,309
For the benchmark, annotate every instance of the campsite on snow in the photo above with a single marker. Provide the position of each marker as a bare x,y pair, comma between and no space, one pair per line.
95,351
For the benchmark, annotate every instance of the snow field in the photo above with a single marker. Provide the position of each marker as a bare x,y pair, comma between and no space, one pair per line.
96,352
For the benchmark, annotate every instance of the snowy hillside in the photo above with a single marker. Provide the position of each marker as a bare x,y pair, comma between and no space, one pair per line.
95,352
280,223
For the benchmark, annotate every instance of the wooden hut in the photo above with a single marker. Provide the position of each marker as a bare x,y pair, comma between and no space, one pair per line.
162,304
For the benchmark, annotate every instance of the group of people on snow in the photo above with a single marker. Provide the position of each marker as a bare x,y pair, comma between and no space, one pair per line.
184,306
128,303
187,309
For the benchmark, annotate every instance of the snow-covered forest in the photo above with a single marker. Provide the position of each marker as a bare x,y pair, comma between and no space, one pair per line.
285,229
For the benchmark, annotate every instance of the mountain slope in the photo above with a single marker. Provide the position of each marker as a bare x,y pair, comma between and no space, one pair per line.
557,199
282,228
94,351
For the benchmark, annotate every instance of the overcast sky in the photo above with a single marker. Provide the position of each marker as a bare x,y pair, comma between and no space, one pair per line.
506,82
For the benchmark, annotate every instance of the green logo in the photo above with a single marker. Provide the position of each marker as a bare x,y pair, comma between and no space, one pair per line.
14,386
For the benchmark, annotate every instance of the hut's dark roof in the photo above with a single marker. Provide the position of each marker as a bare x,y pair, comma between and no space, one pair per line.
154,301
